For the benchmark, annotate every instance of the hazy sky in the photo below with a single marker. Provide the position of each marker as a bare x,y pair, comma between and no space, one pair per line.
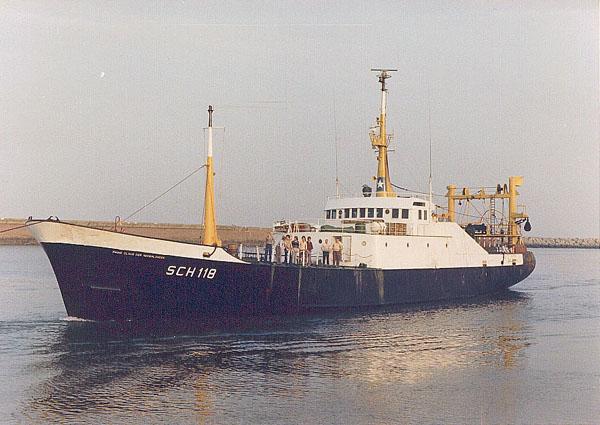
102,105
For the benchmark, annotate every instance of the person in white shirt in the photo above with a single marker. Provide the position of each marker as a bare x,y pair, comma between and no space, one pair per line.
325,248
303,247
338,249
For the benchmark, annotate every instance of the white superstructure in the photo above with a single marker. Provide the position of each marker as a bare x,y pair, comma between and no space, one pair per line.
387,231
393,233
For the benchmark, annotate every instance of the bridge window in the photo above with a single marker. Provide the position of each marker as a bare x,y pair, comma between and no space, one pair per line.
404,213
347,213
363,212
395,212
420,215
419,204
328,214
354,212
371,212
379,212
424,214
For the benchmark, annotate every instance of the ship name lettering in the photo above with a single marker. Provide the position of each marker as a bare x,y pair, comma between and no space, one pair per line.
185,271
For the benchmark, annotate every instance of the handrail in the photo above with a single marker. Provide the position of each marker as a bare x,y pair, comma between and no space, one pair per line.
360,195
257,253
345,226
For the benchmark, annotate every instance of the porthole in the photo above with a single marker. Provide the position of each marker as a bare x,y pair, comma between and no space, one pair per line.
364,243
387,211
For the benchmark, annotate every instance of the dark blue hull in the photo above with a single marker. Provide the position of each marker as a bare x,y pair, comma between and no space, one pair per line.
102,284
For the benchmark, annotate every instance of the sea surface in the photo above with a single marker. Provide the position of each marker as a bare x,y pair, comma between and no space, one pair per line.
531,355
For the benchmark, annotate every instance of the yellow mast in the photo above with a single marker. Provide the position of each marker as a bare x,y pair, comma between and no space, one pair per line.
380,142
513,214
210,222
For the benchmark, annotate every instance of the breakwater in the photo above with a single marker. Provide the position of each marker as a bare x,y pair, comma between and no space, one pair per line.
191,233
533,242
228,234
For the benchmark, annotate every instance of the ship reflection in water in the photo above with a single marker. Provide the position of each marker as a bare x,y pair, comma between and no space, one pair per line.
342,364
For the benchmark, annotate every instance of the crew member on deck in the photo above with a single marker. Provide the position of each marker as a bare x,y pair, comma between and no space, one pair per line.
302,251
325,248
309,249
279,250
288,249
295,249
338,249
269,241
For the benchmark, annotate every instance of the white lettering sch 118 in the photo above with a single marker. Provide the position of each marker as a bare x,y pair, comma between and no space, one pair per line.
185,271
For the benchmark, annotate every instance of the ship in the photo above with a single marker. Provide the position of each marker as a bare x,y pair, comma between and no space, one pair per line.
387,249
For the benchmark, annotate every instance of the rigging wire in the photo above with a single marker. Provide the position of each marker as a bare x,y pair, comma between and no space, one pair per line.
441,196
458,212
430,170
416,191
31,223
335,141
164,193
469,203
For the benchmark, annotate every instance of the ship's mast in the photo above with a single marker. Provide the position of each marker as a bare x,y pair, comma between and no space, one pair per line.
380,141
210,222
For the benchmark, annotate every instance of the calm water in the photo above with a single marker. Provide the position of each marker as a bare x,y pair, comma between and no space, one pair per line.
529,356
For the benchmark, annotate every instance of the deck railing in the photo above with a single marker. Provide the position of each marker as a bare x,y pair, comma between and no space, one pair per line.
346,226
256,254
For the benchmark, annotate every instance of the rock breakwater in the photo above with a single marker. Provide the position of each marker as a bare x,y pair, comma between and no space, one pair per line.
562,242
191,233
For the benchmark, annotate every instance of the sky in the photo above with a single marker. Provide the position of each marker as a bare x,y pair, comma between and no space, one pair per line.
103,105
